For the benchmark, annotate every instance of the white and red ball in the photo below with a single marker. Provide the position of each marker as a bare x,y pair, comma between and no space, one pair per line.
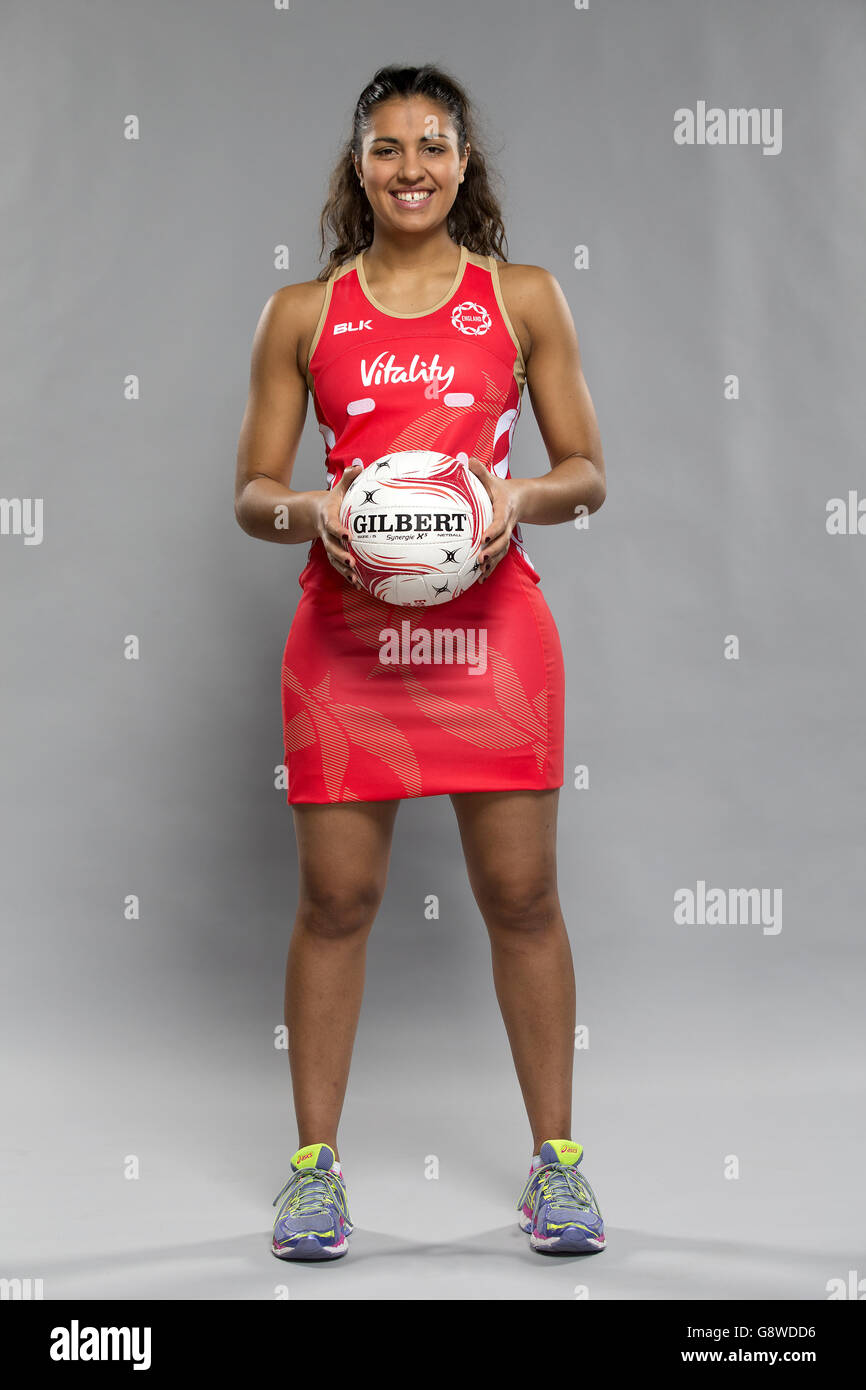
416,523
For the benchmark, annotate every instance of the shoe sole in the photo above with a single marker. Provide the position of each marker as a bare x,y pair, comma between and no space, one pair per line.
573,1242
310,1249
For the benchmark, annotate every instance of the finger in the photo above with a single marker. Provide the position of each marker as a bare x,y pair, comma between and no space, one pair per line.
333,542
348,476
484,476
496,534
489,568
336,529
346,572
497,519
490,558
336,549
481,471
496,526
337,533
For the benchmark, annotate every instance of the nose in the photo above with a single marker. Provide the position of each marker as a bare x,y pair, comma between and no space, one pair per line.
410,168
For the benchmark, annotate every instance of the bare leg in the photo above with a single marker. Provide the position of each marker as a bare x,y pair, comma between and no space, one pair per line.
509,842
343,855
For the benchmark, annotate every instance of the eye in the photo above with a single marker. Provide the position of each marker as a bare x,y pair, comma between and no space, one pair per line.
427,149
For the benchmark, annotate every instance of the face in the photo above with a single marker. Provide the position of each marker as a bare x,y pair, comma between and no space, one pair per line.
411,148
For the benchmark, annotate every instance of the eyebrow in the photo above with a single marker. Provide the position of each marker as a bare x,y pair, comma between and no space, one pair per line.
393,140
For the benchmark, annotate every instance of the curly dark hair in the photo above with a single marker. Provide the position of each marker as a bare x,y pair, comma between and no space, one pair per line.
475,220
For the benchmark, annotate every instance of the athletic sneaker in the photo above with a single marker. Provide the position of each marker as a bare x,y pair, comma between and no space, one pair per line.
557,1206
313,1219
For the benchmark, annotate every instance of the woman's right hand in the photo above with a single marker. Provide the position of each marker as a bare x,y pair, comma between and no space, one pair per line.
332,532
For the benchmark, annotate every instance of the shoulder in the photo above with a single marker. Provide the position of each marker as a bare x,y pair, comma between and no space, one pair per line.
523,275
290,317
531,296
527,285
297,303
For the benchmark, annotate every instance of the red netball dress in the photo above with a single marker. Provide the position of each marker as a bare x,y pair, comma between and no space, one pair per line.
362,719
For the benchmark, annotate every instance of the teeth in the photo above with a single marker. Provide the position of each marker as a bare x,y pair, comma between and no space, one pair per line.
413,197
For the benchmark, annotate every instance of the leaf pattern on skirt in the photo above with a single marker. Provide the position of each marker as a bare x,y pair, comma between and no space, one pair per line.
298,732
366,615
517,719
511,695
485,728
338,726
333,744
380,736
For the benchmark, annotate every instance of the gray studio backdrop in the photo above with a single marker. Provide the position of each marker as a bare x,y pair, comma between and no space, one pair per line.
711,624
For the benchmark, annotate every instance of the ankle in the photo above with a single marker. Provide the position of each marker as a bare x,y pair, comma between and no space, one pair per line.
311,1143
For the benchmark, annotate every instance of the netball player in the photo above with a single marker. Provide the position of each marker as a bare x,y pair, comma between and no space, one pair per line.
418,334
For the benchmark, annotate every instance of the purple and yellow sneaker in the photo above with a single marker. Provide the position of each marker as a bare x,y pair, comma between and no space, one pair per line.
313,1219
557,1206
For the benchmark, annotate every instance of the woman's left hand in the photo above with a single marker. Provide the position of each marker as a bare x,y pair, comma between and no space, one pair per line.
504,494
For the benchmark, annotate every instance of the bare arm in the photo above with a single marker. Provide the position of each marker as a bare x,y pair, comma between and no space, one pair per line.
271,430
564,411
562,406
265,505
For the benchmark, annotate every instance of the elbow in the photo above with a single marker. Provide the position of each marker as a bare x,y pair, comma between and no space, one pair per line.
599,492
241,516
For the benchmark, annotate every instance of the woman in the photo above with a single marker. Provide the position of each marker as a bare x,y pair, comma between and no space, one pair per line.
419,335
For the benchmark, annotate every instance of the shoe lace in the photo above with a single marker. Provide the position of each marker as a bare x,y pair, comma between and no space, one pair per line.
308,1191
559,1183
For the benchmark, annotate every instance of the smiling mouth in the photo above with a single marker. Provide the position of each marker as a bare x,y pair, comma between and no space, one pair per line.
414,199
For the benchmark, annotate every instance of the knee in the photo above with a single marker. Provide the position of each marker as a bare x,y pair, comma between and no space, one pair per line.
330,911
521,908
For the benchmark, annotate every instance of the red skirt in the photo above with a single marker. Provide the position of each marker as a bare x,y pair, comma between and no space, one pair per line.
382,702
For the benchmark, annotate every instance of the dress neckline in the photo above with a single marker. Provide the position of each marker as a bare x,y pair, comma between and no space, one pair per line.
418,313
